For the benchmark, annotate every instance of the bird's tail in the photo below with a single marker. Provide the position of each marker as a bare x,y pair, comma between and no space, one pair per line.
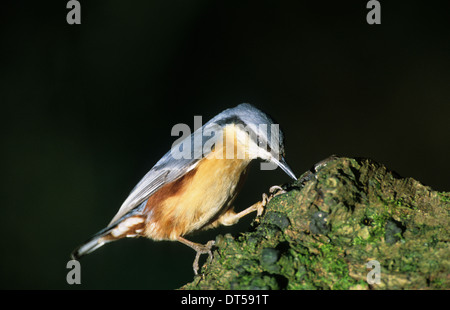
129,225
93,243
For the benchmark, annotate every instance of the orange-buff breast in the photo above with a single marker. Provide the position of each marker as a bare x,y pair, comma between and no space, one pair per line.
197,199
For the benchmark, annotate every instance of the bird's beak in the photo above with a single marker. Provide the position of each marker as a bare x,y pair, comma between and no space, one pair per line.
284,166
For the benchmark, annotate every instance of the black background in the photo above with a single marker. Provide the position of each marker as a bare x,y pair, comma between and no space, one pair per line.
88,109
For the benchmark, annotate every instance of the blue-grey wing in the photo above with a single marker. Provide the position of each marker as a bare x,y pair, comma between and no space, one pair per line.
171,167
165,171
182,158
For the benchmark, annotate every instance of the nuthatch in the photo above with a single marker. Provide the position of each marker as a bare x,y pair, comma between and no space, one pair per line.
185,194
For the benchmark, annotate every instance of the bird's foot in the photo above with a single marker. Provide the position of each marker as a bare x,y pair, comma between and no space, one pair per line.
200,249
203,249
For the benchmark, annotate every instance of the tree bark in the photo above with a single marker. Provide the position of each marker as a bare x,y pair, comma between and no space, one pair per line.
329,224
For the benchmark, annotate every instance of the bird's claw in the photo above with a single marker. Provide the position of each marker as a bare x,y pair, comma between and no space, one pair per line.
203,249
273,191
276,190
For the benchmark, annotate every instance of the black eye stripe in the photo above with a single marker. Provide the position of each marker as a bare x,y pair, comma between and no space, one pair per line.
237,120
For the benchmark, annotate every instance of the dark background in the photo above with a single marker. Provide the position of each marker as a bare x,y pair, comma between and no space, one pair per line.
88,109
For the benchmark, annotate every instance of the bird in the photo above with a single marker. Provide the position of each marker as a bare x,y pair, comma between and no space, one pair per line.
193,186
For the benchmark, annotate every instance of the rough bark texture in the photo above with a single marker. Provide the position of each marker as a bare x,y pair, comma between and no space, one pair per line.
335,219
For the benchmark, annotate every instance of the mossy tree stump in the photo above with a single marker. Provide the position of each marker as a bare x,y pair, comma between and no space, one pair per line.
323,231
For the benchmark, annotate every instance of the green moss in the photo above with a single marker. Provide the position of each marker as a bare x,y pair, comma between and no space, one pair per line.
331,222
444,196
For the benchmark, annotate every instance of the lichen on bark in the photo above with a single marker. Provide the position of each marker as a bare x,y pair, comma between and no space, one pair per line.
329,224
